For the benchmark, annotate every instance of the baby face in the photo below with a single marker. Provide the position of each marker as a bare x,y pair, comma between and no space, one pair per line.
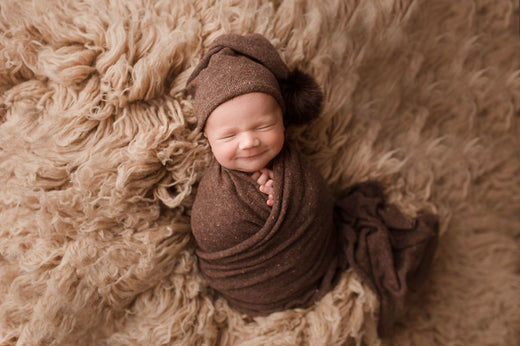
246,132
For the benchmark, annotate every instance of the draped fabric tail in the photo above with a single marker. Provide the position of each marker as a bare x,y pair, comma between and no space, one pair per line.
391,252
264,259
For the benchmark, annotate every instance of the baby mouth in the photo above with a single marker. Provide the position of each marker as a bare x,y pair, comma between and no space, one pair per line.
251,156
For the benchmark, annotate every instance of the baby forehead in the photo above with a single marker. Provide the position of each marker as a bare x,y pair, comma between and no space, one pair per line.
246,121
248,102
245,110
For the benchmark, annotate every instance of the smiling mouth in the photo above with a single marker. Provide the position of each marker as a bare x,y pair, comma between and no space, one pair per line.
251,156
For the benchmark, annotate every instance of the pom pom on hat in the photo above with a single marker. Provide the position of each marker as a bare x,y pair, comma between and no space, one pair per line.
302,96
236,65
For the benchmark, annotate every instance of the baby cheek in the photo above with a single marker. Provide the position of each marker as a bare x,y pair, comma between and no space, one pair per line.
224,152
278,140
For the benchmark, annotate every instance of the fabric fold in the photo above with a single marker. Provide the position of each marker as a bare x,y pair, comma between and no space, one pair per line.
391,252
264,259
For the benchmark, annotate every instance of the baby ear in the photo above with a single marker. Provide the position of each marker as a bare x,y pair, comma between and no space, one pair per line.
302,97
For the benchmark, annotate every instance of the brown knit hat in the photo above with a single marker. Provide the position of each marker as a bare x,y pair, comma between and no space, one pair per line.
236,65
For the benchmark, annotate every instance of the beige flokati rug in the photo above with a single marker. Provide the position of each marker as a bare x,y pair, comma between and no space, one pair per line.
99,164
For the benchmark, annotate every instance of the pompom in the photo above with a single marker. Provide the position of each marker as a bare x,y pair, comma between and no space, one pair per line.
302,97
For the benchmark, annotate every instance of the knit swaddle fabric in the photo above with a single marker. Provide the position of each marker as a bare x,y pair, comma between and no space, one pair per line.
264,259
260,258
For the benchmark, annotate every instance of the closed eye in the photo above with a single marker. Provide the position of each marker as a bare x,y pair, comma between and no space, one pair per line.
264,127
227,136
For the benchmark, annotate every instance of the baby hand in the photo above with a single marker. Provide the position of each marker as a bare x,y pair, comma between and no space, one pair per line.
264,178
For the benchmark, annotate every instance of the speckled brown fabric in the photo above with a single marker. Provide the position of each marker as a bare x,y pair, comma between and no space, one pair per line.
264,259
232,66
391,252
260,258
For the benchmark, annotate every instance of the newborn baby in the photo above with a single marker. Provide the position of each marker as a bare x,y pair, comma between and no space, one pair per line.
246,133
269,234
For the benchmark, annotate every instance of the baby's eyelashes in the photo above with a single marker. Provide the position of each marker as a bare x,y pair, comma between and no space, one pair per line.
231,135
227,136
264,127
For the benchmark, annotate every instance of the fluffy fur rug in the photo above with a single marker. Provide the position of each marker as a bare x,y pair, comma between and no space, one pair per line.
99,163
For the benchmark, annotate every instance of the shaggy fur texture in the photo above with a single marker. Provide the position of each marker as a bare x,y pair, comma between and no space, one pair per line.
99,162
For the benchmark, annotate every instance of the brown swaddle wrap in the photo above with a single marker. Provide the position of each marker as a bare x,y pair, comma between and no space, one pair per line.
391,252
264,259
260,258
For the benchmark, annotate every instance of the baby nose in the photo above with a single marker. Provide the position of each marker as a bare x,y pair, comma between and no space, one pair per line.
248,140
